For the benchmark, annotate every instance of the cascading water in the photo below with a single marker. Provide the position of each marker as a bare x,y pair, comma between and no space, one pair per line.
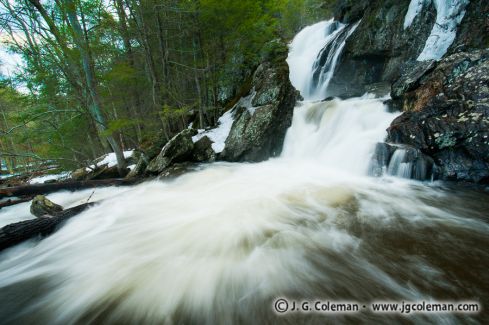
218,245
313,58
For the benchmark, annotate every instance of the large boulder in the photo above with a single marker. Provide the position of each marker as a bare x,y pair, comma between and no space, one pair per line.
178,149
446,116
42,206
263,117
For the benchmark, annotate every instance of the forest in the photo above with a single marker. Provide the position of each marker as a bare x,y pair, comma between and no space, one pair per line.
100,76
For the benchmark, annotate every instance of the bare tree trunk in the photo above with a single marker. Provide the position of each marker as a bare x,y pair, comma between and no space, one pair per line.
136,102
96,106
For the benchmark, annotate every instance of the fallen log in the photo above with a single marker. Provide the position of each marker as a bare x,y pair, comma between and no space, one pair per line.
18,232
11,202
36,189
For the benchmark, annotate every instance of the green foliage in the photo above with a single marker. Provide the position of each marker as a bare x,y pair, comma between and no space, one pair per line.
156,65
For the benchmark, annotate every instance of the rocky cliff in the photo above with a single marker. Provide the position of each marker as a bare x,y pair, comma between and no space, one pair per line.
392,34
446,115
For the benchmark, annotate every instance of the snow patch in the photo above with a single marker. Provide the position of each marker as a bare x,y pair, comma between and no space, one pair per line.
45,178
246,102
218,135
109,159
449,14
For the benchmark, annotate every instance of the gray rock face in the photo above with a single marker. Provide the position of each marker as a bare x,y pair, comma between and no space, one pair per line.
473,33
178,149
380,45
380,48
447,116
258,132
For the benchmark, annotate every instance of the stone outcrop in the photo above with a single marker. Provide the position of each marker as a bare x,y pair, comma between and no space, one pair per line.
178,149
381,48
446,115
380,45
260,125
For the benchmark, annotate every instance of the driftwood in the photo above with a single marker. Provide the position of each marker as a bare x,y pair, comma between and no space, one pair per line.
18,232
36,189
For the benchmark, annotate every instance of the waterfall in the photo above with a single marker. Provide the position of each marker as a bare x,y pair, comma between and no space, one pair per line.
220,244
340,134
314,54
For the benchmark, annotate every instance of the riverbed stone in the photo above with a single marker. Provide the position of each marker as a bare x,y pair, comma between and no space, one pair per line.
42,206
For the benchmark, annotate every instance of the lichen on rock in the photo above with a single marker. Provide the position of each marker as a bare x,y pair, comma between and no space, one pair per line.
447,109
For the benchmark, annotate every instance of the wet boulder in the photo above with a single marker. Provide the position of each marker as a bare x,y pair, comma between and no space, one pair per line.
402,161
178,149
380,159
42,206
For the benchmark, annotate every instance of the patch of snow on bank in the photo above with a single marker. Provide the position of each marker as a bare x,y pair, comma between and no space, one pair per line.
218,135
45,178
449,14
110,159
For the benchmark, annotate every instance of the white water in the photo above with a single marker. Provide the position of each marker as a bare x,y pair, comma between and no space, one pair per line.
304,52
217,245
338,134
449,14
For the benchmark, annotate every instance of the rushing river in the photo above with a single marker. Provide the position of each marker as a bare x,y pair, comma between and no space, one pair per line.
220,244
